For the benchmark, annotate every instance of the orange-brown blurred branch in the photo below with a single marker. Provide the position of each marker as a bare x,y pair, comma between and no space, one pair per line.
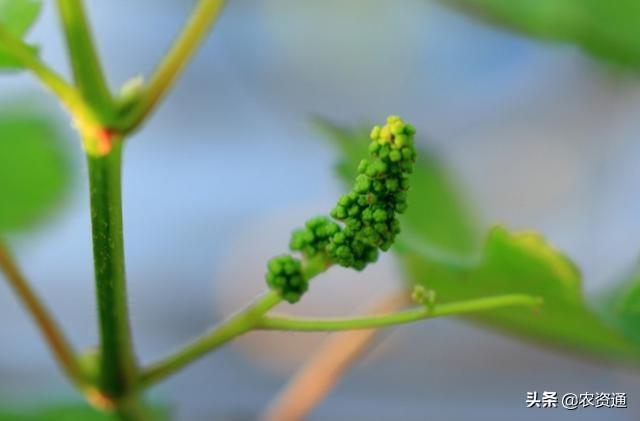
55,338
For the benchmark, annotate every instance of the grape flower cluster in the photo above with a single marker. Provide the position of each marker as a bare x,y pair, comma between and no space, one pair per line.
365,220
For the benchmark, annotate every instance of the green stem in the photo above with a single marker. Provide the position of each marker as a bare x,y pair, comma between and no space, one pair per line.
60,347
21,52
402,317
238,324
233,327
194,32
118,369
87,70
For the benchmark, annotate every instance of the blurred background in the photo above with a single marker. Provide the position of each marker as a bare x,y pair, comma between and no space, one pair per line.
538,135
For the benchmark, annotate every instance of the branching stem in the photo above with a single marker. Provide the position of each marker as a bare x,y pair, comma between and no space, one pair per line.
236,325
254,318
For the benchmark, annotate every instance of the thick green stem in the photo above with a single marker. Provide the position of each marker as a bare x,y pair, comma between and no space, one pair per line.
56,340
132,408
236,325
368,322
118,369
87,70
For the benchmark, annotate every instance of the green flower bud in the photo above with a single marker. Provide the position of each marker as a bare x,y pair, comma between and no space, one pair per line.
284,274
397,128
375,132
421,295
395,156
400,140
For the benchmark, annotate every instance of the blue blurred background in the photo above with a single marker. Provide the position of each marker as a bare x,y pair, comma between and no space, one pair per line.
541,136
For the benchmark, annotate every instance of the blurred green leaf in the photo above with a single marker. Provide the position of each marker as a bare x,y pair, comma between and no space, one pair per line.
620,306
436,248
17,17
605,28
71,412
524,263
34,170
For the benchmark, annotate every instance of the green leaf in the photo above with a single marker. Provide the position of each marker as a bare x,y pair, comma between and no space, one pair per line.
71,412
620,306
524,263
436,248
17,17
604,28
34,169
